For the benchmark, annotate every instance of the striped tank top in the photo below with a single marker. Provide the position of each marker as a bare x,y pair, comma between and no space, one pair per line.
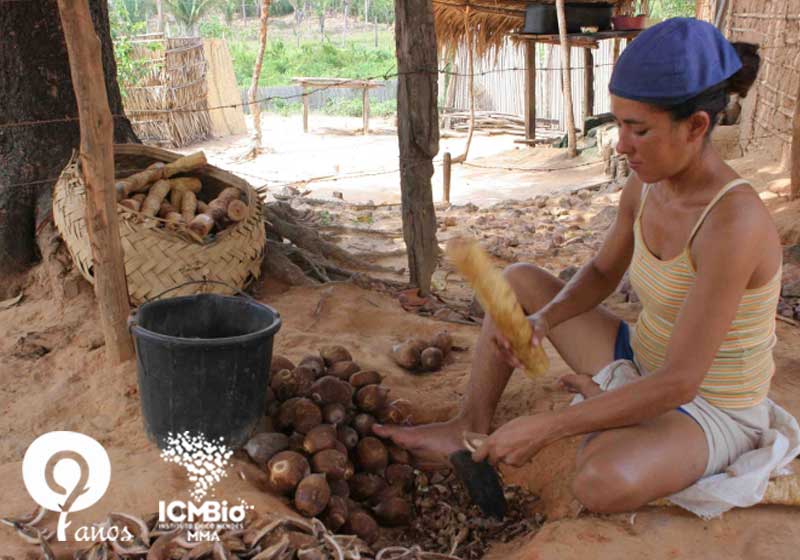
743,367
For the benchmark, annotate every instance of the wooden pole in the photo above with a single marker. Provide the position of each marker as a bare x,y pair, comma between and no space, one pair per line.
795,190
256,106
450,94
305,109
160,9
417,134
530,90
97,165
615,51
365,109
572,142
470,46
588,87
447,166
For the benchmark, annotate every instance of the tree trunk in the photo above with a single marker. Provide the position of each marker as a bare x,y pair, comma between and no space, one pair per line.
418,134
366,11
255,106
322,25
566,76
35,85
97,165
244,11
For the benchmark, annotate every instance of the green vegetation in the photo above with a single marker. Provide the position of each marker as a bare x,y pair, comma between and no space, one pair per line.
342,107
663,9
283,61
295,47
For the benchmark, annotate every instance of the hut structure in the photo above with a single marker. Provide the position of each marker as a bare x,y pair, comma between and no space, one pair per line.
485,26
167,99
770,116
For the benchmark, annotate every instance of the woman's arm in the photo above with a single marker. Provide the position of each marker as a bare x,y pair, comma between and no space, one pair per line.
728,251
598,278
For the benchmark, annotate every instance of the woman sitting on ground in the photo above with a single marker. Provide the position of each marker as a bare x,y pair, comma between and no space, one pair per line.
705,260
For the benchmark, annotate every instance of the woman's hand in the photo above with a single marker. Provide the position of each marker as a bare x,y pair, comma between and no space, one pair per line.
517,441
541,329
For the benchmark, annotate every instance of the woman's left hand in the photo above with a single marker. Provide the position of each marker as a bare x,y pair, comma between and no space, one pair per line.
517,441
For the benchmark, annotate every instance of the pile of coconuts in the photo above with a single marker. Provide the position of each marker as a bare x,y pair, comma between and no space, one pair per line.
319,450
419,355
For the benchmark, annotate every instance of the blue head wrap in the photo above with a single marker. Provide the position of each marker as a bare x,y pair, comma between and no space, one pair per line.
673,62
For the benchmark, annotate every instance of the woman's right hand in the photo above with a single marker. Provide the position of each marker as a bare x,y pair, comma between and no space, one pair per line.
540,328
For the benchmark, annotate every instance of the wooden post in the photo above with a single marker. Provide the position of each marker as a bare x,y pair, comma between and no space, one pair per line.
470,63
160,10
615,51
417,134
566,71
588,87
97,165
530,90
365,109
305,109
447,166
255,104
795,190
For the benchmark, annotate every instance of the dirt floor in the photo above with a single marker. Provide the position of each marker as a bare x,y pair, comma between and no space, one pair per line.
334,156
53,375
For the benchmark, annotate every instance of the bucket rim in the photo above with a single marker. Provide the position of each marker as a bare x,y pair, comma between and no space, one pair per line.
269,330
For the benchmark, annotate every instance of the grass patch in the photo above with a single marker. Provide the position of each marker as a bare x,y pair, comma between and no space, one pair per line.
342,108
283,61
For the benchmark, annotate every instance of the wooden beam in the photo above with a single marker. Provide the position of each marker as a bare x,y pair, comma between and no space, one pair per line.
566,71
447,167
365,109
417,134
588,40
471,68
588,87
97,165
305,109
795,190
530,90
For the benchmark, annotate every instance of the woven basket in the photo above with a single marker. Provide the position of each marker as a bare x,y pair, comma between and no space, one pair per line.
157,259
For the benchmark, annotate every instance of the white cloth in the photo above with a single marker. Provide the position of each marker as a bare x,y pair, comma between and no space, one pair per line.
746,447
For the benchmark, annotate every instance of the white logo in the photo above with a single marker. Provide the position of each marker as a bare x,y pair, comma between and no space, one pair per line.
65,472
206,463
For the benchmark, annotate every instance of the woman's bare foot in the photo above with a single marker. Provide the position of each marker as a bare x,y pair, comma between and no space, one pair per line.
430,444
583,384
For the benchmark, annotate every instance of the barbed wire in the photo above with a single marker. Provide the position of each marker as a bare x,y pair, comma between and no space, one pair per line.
386,76
275,183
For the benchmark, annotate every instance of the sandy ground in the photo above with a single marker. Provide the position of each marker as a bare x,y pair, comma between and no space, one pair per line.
53,375
366,166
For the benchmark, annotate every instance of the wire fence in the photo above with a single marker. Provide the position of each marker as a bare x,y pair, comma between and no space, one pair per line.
388,77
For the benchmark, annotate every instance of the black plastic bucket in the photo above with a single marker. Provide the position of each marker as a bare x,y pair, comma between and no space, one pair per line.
203,364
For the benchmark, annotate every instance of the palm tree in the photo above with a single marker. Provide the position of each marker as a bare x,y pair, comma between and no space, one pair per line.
189,12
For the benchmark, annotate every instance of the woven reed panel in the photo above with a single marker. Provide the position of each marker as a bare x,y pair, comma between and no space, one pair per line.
157,259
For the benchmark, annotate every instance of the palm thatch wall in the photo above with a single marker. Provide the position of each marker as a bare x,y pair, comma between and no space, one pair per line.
166,98
486,23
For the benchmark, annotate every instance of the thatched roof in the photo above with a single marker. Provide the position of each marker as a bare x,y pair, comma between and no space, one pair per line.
490,21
